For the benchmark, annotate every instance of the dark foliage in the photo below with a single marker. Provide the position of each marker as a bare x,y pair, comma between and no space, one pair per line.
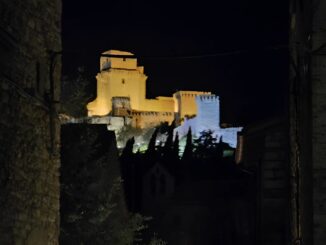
75,95
188,152
92,200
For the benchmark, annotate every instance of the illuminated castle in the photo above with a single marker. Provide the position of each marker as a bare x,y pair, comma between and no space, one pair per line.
121,94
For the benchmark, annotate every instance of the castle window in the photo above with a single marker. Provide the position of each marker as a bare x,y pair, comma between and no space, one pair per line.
123,81
124,59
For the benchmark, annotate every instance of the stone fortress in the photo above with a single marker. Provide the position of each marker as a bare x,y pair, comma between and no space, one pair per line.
121,100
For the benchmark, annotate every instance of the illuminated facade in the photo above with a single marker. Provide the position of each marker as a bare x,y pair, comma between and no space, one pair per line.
120,76
208,118
121,92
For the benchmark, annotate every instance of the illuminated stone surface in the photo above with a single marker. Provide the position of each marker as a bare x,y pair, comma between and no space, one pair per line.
121,92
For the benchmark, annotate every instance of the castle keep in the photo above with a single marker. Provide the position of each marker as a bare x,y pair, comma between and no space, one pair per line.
121,99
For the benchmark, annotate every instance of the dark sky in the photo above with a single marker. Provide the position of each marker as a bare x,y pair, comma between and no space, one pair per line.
251,84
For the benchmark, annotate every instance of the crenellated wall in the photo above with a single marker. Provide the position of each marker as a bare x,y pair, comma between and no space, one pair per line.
185,103
120,77
208,118
160,104
208,115
148,119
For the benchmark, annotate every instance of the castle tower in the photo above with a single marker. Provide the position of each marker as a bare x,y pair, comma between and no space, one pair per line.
185,104
208,116
119,76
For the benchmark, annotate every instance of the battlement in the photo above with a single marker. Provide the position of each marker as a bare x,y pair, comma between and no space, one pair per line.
119,60
152,113
207,98
146,119
189,93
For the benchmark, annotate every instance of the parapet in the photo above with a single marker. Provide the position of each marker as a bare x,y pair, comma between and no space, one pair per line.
187,94
152,113
119,60
207,98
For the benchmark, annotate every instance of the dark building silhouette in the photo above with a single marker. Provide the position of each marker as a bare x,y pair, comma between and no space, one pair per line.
307,114
265,152
200,200
30,70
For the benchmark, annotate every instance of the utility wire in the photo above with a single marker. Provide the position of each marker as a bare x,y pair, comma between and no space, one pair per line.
226,53
192,56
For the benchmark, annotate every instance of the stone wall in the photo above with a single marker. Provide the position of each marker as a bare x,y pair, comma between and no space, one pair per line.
186,103
308,121
29,131
265,152
318,76
208,118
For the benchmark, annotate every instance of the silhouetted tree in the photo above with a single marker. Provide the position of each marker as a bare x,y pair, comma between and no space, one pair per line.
175,147
127,152
92,205
188,152
205,145
75,94
127,162
168,145
151,150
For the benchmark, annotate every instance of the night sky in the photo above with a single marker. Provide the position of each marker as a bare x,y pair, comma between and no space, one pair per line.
251,82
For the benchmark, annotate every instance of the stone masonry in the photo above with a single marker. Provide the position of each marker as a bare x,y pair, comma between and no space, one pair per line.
29,131
308,121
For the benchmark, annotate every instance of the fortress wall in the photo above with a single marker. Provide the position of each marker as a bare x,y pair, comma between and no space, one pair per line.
161,104
208,112
151,119
182,130
186,102
208,119
115,82
229,135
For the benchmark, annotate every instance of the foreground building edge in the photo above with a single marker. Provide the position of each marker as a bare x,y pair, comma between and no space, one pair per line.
29,130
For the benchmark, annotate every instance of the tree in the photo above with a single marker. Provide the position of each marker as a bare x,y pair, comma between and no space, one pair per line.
175,147
92,201
188,152
152,143
157,241
75,94
127,152
168,145
205,145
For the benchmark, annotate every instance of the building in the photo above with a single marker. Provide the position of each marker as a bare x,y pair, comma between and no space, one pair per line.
30,71
264,151
207,117
121,92
307,114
